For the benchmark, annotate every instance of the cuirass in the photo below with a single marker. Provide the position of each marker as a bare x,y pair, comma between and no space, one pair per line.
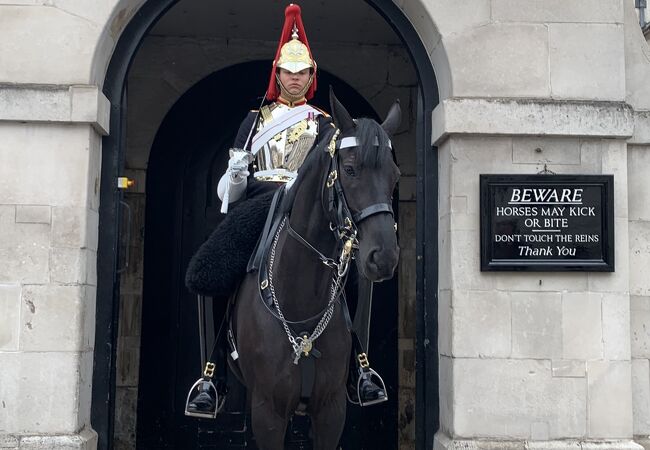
281,157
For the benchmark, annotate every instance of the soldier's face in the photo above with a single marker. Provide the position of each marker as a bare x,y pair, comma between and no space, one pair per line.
294,82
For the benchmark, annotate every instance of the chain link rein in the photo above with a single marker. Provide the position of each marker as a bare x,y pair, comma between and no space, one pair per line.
303,345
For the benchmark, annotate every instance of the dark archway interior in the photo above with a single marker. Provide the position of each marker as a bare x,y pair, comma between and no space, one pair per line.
188,157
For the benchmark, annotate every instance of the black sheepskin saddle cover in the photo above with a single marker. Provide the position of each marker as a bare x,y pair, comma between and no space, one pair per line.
219,265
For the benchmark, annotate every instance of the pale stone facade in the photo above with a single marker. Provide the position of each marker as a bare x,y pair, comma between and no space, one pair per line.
534,360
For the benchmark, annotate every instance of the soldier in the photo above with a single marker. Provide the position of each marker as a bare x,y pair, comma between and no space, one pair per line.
275,140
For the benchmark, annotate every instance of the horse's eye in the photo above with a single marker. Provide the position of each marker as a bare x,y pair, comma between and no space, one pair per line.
350,171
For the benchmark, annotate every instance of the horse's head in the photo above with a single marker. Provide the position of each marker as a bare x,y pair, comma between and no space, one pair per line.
368,175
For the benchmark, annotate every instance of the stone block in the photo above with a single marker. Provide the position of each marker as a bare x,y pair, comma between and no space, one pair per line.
541,282
24,249
91,267
591,53
637,55
74,227
481,324
581,325
407,188
618,281
90,105
9,316
85,440
10,442
400,72
454,17
639,251
616,326
638,159
510,396
614,162
50,169
28,379
641,396
126,404
445,320
88,321
33,214
447,395
639,303
640,334
62,37
540,151
550,11
52,318
609,444
484,62
569,368
610,399
466,262
470,157
68,265
406,419
511,116
128,361
536,325
406,349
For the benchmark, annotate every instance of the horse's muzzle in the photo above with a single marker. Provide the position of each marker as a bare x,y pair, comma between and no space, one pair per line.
380,263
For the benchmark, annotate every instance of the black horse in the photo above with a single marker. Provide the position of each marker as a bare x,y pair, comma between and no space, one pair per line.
337,209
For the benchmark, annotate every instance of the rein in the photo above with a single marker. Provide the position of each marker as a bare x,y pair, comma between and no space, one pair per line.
346,233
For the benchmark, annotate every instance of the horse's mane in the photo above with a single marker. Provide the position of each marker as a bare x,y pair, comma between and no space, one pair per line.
366,131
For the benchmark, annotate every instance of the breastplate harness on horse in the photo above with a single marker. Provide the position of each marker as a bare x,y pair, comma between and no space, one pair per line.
346,233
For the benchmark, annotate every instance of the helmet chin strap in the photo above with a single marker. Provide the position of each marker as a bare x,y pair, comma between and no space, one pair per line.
294,98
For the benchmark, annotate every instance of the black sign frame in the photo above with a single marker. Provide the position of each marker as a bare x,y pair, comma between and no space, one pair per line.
487,203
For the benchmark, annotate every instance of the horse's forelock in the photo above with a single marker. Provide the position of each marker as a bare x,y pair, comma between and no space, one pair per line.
371,155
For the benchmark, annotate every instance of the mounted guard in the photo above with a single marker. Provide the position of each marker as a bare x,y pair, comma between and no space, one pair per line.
269,150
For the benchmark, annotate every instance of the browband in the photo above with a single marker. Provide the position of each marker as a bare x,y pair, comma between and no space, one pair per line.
351,141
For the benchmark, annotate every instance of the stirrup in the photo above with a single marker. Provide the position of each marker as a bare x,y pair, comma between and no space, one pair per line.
365,372
204,385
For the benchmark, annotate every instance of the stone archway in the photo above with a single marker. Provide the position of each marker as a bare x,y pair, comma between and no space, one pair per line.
424,188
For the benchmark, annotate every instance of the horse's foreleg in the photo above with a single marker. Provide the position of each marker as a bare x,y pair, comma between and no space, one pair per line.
328,422
269,427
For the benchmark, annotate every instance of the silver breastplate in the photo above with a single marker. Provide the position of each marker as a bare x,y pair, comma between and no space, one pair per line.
281,157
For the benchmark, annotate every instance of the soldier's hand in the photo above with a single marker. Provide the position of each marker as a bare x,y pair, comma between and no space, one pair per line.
238,164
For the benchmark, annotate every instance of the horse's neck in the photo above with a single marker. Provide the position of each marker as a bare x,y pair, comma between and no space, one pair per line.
302,278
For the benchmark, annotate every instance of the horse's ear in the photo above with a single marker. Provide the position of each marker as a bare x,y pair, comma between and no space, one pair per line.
340,115
393,119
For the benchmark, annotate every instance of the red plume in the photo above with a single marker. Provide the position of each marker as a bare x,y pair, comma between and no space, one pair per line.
291,16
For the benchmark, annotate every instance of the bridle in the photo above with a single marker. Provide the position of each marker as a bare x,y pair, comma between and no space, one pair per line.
344,227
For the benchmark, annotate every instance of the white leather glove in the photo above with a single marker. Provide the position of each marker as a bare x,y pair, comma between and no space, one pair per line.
238,164
235,177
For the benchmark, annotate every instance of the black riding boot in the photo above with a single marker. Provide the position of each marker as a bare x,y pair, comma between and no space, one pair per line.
365,386
205,401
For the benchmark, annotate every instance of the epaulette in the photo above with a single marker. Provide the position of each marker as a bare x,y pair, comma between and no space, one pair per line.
320,110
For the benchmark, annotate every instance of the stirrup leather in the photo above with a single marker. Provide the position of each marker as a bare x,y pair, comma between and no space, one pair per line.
366,371
205,384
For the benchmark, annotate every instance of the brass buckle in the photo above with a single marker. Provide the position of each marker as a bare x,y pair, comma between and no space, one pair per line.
332,145
209,369
331,178
363,360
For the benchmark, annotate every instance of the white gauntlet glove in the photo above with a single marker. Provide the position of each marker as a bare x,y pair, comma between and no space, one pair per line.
238,164
233,183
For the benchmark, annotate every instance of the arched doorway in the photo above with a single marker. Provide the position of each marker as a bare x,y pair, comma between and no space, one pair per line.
187,159
425,245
